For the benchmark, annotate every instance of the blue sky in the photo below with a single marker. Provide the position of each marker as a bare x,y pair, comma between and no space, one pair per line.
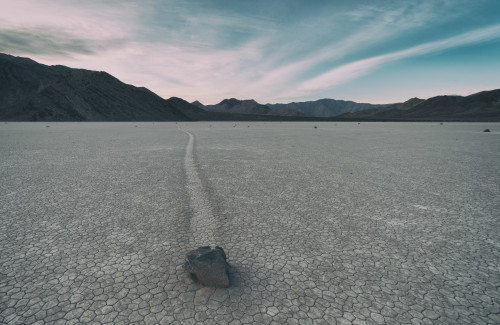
271,51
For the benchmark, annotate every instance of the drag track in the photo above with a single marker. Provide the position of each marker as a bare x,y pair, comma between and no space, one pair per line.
203,224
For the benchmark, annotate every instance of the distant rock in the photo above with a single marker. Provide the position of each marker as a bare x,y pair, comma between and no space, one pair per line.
209,266
487,130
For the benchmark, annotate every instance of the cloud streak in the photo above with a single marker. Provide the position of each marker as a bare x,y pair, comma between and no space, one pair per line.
375,25
52,42
353,70
268,51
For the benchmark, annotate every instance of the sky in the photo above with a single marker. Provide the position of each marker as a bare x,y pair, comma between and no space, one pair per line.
273,51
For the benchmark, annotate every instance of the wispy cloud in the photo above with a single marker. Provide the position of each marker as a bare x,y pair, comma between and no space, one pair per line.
82,20
206,51
53,42
374,25
353,70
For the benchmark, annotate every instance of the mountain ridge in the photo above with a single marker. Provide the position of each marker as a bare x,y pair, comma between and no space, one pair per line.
246,106
30,91
481,106
326,107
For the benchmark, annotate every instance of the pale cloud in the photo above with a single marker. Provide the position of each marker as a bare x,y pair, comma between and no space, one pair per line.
83,20
53,32
200,55
51,42
287,75
353,70
99,36
381,24
173,70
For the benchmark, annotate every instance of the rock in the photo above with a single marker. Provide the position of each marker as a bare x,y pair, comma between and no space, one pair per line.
209,266
487,130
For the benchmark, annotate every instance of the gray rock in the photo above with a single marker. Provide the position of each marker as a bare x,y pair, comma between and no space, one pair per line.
487,130
209,266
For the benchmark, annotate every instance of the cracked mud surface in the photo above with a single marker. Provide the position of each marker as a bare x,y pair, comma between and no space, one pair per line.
363,224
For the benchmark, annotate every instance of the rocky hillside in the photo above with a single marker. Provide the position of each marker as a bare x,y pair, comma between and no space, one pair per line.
248,106
325,107
30,91
234,105
482,106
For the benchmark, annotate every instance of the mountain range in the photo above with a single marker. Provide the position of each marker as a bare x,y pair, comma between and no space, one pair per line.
30,91
325,107
318,108
482,106
248,106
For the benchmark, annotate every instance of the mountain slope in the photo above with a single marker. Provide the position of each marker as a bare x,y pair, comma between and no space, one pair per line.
325,107
30,91
394,110
482,106
248,106
234,105
286,112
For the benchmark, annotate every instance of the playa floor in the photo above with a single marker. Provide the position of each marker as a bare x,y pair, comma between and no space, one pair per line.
371,223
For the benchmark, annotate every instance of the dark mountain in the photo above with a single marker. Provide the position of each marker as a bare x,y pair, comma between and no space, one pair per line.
390,110
198,104
325,107
30,91
234,105
483,106
286,112
248,106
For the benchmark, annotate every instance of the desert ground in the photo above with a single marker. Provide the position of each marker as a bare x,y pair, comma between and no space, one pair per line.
322,223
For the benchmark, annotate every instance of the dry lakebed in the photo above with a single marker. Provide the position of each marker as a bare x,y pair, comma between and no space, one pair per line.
342,223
